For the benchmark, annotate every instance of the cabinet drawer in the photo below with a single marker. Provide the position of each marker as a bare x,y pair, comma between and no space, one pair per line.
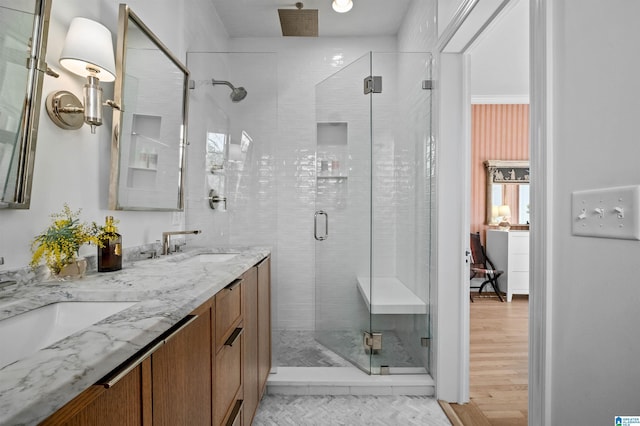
519,262
519,244
228,311
228,382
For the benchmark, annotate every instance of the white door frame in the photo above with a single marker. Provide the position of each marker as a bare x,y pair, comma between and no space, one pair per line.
541,256
453,385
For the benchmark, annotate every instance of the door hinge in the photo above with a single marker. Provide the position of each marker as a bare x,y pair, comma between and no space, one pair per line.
372,342
424,342
427,84
373,84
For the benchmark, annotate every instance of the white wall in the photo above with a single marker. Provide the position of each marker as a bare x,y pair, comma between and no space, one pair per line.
500,58
446,11
73,166
595,335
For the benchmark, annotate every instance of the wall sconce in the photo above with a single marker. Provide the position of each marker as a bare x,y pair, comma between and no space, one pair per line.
88,52
342,6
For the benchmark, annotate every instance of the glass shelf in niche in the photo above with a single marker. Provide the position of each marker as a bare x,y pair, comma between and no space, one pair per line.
148,169
333,177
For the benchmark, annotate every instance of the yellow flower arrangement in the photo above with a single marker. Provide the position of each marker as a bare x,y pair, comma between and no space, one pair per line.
60,243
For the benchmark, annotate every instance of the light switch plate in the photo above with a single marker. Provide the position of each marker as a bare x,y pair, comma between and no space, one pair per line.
606,213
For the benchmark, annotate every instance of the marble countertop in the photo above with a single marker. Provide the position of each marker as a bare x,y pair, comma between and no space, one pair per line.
166,289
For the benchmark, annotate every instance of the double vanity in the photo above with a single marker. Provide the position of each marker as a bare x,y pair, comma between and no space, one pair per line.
182,339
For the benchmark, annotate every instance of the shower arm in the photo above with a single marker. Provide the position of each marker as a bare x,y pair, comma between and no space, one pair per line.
214,82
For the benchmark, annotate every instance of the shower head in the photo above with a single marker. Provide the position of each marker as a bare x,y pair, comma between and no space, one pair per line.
237,93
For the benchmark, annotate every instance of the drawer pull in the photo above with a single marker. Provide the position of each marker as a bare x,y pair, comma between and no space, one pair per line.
138,358
234,336
235,412
262,262
111,381
233,284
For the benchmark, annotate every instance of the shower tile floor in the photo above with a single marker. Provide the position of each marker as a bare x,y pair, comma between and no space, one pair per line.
297,348
300,349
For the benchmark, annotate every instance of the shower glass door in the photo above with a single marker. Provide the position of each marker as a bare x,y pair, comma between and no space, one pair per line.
373,205
343,211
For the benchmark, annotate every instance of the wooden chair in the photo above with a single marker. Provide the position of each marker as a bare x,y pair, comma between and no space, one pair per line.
482,267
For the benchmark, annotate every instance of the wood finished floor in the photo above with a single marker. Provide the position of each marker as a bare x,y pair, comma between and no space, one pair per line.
498,363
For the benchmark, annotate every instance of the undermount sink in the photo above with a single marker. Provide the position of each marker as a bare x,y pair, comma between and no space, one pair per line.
25,334
211,257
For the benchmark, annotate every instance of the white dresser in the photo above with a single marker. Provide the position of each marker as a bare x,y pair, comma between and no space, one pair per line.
509,251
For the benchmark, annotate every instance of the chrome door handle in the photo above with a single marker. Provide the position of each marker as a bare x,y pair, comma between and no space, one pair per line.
326,225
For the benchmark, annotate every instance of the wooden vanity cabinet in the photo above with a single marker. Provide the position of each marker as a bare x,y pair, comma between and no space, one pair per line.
257,320
167,383
182,374
229,343
209,369
122,404
251,391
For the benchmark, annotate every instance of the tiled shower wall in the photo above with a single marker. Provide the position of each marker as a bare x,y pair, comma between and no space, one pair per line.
286,210
302,63
247,178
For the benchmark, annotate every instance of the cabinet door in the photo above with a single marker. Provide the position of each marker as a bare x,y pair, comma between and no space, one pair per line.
264,323
251,382
181,374
121,404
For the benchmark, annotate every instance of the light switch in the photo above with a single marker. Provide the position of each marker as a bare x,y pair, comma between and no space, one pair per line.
607,213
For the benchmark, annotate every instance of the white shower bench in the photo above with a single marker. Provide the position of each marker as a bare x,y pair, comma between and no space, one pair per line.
390,296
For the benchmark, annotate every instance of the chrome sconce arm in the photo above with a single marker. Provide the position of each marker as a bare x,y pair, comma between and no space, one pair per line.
68,112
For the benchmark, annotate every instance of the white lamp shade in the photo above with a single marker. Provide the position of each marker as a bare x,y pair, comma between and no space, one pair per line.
495,211
89,44
342,6
505,211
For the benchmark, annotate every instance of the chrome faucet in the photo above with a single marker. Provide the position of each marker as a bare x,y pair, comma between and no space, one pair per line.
166,248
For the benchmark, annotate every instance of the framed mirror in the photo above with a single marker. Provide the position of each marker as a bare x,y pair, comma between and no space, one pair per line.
24,25
507,185
149,130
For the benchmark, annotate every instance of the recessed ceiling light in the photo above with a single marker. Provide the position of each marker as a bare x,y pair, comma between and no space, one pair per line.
342,6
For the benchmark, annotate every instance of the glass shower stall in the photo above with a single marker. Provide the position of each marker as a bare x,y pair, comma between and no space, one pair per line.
372,224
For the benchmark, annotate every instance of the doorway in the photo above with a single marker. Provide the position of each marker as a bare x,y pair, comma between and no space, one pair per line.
455,43
498,349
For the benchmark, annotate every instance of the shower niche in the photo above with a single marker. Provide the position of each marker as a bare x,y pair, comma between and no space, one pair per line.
332,150
143,151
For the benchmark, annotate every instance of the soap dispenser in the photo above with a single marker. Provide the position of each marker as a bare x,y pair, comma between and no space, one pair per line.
110,254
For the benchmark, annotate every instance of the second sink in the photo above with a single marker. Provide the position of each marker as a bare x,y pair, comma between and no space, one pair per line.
25,334
211,257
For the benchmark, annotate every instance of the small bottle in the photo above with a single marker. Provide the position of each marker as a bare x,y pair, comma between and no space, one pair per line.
144,159
110,254
153,159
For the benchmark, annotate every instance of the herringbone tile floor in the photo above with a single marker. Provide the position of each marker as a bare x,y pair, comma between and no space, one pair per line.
349,410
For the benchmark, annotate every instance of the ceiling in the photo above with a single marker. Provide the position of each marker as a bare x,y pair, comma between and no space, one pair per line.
259,18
